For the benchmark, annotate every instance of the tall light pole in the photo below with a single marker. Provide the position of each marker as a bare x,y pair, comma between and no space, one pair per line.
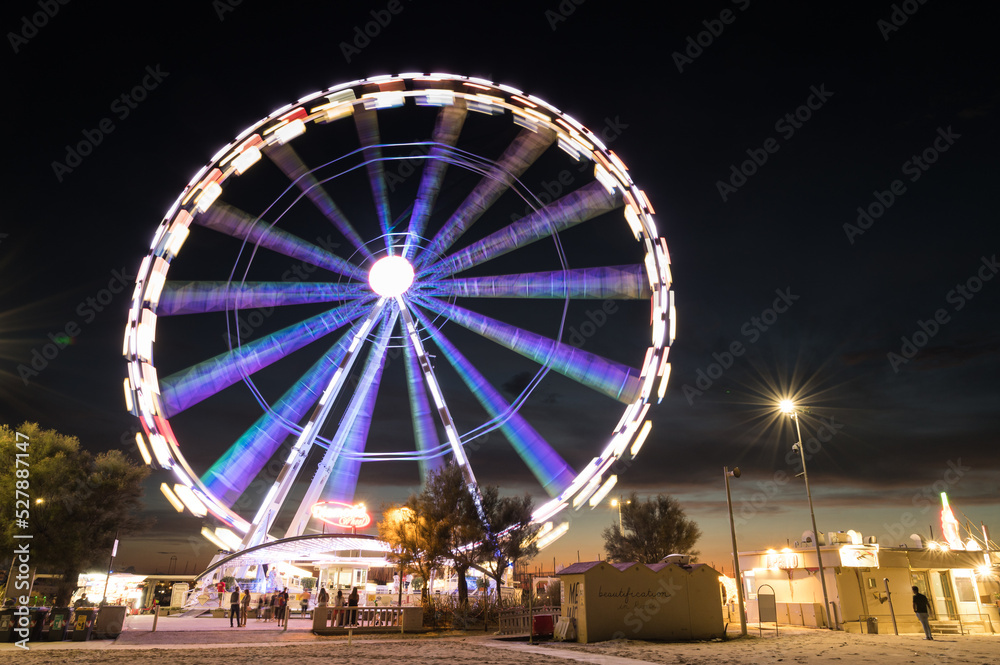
618,502
788,406
735,473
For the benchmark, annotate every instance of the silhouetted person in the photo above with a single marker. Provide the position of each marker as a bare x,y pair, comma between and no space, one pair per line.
921,607
352,601
234,606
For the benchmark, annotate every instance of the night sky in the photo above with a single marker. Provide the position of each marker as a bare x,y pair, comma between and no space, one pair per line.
824,178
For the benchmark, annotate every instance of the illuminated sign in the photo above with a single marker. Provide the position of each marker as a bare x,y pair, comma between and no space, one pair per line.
949,525
782,560
336,513
859,556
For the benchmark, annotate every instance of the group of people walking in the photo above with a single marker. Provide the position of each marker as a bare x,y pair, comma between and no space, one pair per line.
275,606
269,606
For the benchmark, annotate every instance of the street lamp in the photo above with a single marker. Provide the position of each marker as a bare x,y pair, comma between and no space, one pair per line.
788,406
618,502
735,473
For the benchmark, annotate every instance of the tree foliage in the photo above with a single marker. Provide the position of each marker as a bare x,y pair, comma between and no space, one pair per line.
447,497
511,536
652,529
442,526
76,501
419,531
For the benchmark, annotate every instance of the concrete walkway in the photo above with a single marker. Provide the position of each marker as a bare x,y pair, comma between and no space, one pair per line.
186,632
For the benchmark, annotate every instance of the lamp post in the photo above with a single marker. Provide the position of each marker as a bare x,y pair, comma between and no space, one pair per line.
618,502
111,563
788,406
735,473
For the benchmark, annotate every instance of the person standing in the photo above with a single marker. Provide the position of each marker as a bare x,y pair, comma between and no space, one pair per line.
323,598
281,606
338,613
921,607
352,601
234,606
221,589
304,598
245,603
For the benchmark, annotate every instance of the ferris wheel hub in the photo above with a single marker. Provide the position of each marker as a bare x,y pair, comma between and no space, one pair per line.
391,276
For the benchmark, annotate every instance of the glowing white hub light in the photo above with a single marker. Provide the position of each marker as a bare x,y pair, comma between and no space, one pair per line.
391,276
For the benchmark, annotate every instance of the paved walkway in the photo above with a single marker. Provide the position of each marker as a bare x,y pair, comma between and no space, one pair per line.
193,631
601,659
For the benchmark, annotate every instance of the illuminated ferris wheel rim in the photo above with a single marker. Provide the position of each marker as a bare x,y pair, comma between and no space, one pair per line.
142,388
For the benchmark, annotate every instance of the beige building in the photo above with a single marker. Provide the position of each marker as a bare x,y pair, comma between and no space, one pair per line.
662,601
866,581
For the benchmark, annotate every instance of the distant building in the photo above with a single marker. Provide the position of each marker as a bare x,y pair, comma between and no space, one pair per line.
860,577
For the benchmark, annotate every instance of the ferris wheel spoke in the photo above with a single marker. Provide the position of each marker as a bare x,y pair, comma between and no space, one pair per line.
286,159
201,297
338,470
185,388
242,225
343,477
610,282
444,414
522,153
446,131
366,122
230,476
296,458
605,376
591,200
424,429
545,463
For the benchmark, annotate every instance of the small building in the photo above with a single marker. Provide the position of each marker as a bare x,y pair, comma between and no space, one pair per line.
867,583
661,601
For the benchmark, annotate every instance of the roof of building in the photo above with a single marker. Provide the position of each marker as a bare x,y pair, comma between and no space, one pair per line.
584,566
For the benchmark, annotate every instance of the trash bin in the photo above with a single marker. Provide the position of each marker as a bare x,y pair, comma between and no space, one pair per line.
38,615
7,624
60,621
872,625
541,624
109,622
83,623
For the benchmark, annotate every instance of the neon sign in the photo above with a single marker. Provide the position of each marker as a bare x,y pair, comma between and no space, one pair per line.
336,513
782,560
949,525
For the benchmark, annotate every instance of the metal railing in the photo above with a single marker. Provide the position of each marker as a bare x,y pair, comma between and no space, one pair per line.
961,624
964,623
326,617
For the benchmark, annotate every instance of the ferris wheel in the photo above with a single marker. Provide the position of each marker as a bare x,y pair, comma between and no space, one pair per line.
459,274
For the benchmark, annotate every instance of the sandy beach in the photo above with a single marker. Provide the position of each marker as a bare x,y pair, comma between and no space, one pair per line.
212,641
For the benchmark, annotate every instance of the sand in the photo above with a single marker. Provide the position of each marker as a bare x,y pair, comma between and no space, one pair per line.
263,644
